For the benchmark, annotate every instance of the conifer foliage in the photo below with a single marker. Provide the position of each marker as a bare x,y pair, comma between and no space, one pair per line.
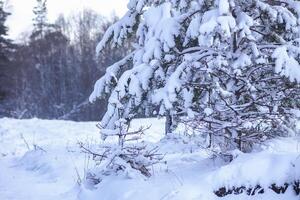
5,43
40,21
228,67
6,48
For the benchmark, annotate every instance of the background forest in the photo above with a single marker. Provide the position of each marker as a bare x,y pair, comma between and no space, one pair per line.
50,72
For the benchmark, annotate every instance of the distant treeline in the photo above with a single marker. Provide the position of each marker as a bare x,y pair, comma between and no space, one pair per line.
51,71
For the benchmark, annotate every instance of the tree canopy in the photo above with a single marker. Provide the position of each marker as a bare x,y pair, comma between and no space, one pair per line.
231,66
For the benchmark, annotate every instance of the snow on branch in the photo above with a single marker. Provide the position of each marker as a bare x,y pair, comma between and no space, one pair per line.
230,62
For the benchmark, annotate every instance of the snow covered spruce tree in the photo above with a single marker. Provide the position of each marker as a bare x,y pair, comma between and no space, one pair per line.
229,67
130,156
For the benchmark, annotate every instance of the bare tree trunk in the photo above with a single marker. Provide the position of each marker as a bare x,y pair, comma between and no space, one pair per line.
239,142
168,124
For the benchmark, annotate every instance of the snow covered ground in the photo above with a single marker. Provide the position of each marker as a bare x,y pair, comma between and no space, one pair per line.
41,160
48,172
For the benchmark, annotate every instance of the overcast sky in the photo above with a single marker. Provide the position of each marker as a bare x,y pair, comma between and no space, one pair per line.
21,10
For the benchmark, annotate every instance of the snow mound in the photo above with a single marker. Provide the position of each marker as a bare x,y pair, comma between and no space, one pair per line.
37,161
262,169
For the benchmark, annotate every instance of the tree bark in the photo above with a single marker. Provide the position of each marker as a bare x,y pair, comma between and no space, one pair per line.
168,124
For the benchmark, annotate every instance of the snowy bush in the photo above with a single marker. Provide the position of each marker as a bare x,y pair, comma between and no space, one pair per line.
230,66
130,161
129,156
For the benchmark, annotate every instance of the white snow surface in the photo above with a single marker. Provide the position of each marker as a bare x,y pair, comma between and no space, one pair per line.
41,160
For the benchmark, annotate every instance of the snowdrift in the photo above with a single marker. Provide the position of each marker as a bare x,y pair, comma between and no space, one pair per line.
57,164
